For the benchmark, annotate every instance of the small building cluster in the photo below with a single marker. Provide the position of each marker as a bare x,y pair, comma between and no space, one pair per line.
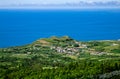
68,50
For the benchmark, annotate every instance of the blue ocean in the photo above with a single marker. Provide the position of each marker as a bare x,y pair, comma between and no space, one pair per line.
20,27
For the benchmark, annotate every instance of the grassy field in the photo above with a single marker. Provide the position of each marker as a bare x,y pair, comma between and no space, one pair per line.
61,58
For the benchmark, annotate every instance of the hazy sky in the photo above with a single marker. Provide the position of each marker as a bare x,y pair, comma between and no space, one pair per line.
29,2
9,2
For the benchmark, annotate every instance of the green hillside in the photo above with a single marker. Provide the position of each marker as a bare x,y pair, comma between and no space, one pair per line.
61,58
